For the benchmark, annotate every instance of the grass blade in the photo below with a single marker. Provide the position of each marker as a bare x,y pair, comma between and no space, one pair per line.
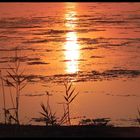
73,97
71,93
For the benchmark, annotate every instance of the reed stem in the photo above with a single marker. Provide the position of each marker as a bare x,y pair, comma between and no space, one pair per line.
4,101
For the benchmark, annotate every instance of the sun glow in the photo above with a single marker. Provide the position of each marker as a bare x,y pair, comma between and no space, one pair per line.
72,53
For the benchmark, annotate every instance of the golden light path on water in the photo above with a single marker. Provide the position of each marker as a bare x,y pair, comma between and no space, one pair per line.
72,52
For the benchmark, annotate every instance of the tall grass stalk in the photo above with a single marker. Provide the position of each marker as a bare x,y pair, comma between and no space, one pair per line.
69,98
18,82
138,117
49,117
4,99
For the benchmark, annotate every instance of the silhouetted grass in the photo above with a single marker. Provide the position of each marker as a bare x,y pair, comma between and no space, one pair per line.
138,117
69,97
4,99
48,116
16,80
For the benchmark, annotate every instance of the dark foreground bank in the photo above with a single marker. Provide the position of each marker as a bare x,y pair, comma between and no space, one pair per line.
67,131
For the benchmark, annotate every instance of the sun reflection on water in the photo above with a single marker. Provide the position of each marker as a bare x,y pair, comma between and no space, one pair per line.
72,52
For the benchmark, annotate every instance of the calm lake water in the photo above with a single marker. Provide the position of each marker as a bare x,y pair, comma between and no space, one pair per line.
95,45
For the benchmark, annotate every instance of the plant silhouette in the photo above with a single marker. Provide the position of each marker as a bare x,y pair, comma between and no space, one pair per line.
69,98
18,81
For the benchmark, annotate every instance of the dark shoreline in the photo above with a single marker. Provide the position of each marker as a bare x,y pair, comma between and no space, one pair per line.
68,131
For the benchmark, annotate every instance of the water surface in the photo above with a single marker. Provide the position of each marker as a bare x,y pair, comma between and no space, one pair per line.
95,45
